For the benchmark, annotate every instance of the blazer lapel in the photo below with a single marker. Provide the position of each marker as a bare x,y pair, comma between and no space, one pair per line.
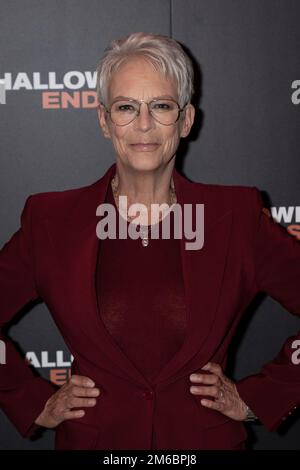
202,271
76,247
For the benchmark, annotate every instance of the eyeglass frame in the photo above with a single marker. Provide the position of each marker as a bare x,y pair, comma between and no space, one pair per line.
139,110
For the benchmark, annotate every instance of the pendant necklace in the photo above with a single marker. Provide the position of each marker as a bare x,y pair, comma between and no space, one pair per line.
144,232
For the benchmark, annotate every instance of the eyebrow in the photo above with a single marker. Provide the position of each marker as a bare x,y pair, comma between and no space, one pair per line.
154,98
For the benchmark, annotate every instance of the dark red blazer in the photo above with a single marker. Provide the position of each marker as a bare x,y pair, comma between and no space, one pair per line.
53,257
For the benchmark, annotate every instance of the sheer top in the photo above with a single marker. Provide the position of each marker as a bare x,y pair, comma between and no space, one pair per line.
141,298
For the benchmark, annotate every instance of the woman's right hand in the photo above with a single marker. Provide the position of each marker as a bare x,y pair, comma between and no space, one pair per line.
77,392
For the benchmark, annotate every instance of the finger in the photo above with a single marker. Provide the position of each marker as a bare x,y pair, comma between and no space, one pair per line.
81,381
75,402
85,391
73,414
210,391
214,405
206,379
214,368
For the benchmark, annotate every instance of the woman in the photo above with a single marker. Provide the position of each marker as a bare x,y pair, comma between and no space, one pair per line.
149,323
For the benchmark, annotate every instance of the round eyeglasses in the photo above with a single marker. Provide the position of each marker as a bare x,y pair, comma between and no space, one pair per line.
124,111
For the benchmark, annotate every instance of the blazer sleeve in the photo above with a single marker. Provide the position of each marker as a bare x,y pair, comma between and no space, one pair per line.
22,393
274,393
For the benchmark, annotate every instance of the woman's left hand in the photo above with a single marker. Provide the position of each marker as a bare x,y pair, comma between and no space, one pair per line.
223,391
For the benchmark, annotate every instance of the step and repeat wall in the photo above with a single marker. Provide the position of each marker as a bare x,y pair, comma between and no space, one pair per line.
247,132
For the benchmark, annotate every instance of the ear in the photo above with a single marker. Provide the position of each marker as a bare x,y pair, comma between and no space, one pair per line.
188,120
102,117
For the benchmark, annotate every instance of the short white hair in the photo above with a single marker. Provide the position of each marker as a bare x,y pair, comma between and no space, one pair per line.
163,52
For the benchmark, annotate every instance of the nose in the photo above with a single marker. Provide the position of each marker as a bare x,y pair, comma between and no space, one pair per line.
144,120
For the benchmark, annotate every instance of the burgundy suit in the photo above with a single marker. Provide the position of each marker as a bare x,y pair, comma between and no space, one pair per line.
53,257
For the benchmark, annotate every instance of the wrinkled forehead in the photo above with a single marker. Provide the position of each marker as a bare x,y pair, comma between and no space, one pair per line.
139,79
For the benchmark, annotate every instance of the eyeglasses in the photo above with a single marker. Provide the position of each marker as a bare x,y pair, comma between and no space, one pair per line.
164,111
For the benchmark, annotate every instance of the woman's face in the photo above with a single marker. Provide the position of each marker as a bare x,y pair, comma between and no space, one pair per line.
138,79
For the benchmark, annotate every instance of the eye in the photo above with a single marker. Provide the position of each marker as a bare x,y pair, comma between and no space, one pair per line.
125,107
163,106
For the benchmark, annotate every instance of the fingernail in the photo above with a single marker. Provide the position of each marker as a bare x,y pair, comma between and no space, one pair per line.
90,383
197,377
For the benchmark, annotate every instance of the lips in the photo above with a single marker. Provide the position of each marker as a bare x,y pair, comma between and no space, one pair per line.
145,147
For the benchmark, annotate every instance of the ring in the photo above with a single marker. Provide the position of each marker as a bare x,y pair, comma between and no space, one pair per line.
221,395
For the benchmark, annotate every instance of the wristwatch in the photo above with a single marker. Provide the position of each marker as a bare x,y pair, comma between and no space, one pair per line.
250,416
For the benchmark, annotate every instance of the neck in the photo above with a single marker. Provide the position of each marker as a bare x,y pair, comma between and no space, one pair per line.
145,187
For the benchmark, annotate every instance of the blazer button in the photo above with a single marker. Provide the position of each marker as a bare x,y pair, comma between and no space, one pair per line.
148,394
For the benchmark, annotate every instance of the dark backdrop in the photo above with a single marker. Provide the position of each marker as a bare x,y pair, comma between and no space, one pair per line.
247,132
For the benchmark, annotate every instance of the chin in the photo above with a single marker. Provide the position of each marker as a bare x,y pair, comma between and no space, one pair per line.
144,163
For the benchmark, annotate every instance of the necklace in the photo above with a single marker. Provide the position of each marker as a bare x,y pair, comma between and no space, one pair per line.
144,233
